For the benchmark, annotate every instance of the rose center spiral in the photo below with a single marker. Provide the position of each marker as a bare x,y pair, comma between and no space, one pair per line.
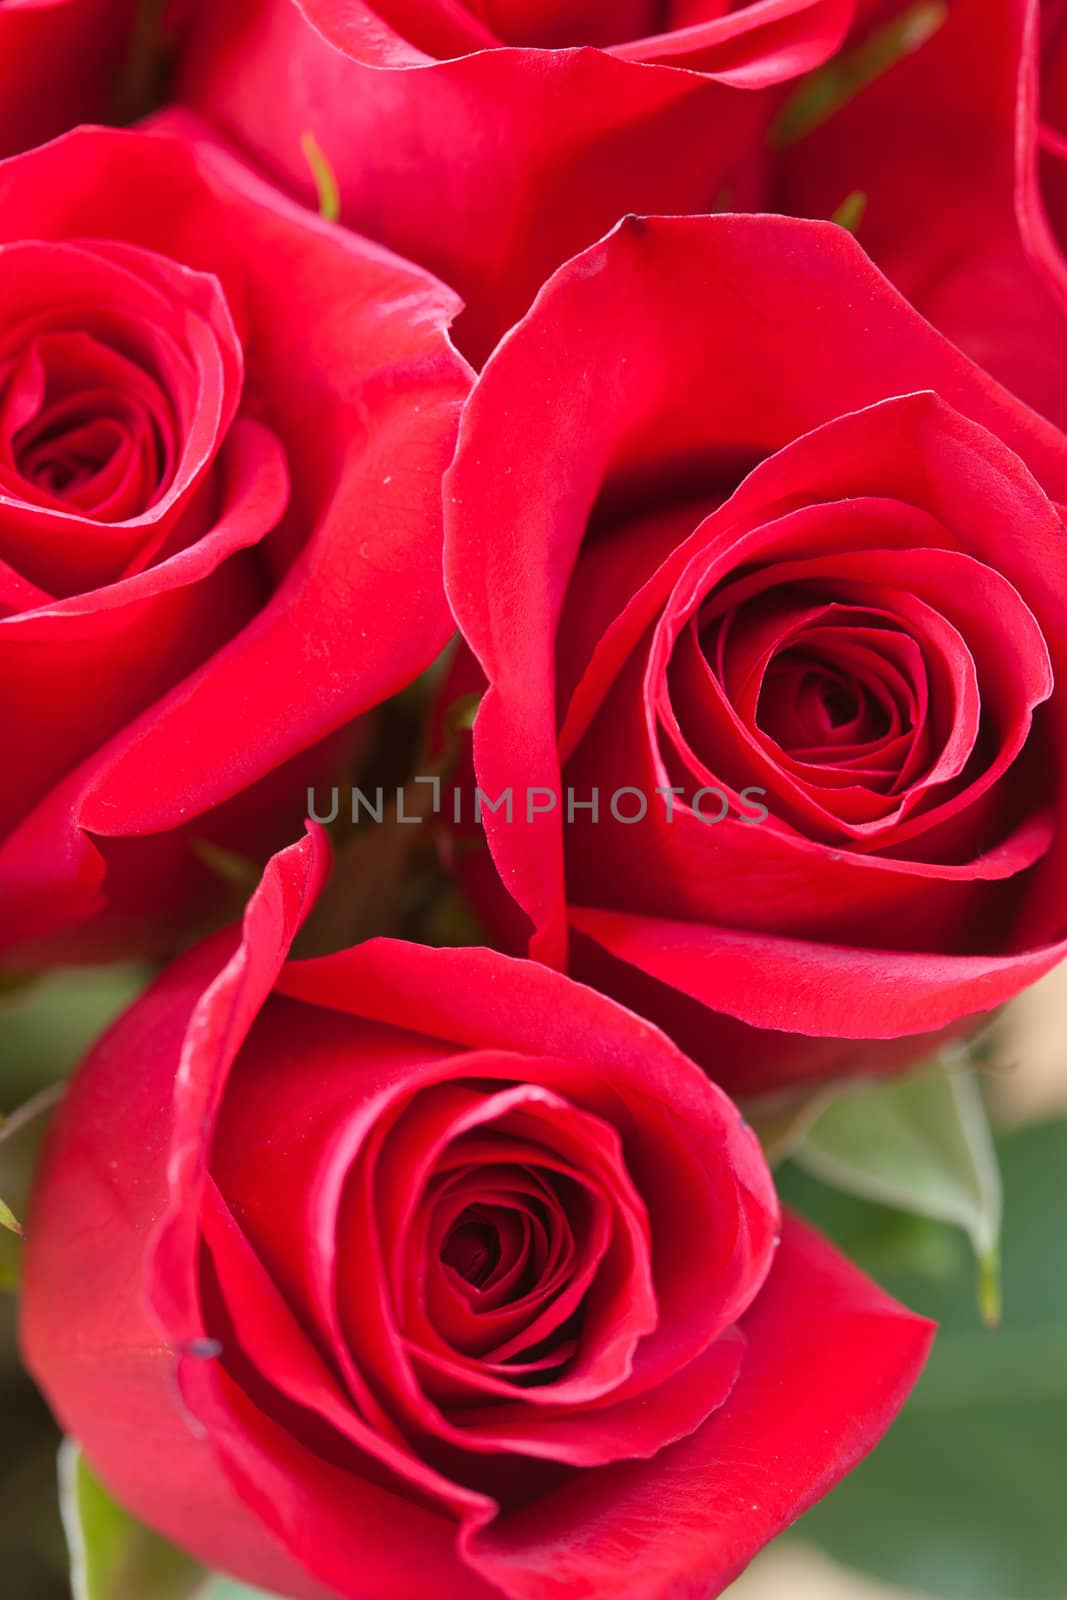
86,426
472,1248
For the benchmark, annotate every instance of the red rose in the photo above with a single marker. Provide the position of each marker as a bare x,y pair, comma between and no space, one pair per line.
943,148
712,547
459,138
412,1271
59,64
189,363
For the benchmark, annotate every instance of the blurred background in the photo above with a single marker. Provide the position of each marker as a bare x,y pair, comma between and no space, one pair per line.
965,1499
967,1496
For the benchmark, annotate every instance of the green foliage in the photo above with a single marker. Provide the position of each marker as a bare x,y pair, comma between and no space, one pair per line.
21,1136
112,1556
48,1023
115,1557
920,1143
781,1120
965,1498
8,1219
45,1027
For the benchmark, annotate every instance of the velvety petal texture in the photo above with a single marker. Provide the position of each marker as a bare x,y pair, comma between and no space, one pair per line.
223,425
409,1270
777,568
507,136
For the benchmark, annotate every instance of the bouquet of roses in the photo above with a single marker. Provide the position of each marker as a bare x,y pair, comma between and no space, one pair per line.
533,638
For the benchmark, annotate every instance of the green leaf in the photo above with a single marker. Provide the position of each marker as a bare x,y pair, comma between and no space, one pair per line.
115,1557
21,1137
112,1555
921,1143
780,1121
965,1497
47,1025
323,173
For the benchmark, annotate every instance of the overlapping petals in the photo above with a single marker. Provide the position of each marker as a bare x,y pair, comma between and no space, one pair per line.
812,607
506,136
120,376
190,488
954,149
452,1263
751,42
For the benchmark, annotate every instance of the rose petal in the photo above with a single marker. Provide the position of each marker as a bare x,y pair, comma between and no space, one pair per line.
788,1431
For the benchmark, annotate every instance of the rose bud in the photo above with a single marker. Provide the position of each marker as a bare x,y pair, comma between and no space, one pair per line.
730,526
505,136
407,1271
223,424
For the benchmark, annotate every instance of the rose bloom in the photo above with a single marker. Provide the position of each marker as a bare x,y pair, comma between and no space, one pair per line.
60,62
493,141
408,1271
958,149
222,428
727,515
